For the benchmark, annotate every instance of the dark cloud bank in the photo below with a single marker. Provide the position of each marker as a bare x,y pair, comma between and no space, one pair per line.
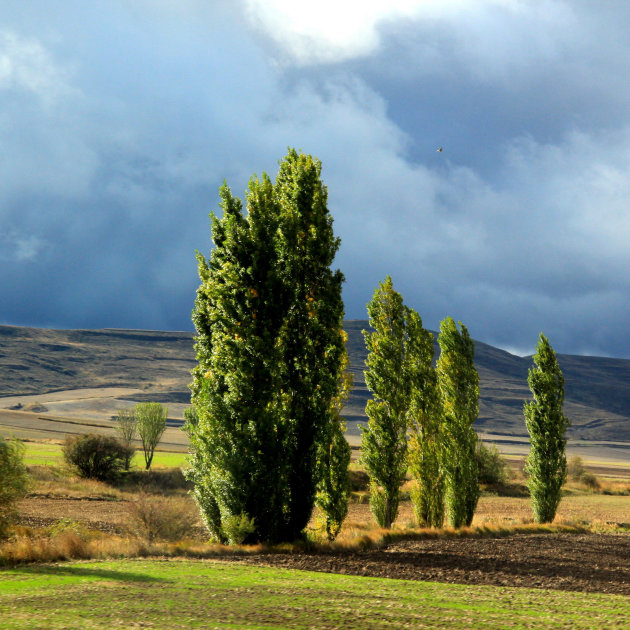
119,121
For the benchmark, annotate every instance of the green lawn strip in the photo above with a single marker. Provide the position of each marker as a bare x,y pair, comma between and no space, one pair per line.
162,459
197,593
42,454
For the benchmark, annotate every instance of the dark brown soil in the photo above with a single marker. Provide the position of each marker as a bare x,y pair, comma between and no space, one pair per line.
100,514
584,562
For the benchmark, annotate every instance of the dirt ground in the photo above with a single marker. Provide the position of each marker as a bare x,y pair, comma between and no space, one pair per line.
583,562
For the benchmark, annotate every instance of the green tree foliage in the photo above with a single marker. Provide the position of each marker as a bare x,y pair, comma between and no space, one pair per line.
458,383
333,460
150,423
426,442
384,441
493,469
546,423
14,480
95,456
126,430
268,316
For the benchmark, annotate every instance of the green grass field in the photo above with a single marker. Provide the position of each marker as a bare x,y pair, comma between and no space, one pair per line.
44,454
209,594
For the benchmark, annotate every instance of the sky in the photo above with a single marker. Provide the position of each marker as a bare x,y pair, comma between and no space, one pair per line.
120,119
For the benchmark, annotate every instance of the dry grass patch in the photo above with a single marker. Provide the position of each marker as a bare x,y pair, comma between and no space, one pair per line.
578,508
66,540
60,481
70,540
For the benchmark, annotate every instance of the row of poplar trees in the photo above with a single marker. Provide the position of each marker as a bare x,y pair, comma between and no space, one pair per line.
421,415
265,427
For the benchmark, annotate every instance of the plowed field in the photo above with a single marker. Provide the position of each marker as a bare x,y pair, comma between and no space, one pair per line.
585,562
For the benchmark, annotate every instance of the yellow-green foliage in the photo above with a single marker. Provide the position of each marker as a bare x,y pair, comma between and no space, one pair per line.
547,425
426,440
13,480
459,391
333,459
150,424
384,442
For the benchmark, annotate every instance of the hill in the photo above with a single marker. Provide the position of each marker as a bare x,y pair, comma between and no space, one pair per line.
37,361
597,390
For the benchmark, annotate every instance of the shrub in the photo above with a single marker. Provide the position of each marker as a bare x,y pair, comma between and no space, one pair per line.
95,456
384,514
575,468
577,472
493,468
14,480
161,518
590,481
237,528
67,525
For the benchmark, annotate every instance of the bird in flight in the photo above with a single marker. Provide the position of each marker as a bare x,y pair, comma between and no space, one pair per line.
440,149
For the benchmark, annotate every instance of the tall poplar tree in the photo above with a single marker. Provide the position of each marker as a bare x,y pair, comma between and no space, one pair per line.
311,337
546,423
459,391
384,441
426,441
269,344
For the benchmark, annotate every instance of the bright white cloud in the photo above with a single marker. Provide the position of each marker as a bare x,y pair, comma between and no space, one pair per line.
338,30
26,64
334,30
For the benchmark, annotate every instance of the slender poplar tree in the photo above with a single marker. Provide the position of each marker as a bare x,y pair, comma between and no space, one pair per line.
384,441
426,441
458,383
333,459
268,316
546,423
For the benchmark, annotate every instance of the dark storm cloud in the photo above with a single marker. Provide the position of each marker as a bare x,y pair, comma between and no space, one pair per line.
119,121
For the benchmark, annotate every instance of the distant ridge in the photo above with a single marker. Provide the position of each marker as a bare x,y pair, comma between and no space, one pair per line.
37,361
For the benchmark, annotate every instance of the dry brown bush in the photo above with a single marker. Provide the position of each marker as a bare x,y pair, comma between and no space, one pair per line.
154,517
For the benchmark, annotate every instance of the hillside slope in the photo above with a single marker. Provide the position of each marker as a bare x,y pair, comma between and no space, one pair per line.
36,361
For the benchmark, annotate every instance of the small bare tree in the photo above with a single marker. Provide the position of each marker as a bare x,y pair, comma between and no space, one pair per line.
126,430
151,422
